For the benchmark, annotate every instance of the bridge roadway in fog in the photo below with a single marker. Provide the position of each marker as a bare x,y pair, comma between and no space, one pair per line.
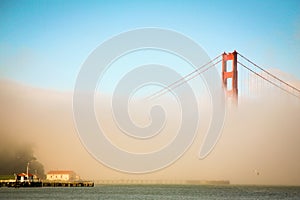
161,182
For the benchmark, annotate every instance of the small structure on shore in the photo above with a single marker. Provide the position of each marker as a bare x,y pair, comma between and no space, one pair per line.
23,177
27,180
24,180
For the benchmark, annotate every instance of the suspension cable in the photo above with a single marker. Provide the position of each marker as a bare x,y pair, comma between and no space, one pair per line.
268,80
168,88
183,79
269,73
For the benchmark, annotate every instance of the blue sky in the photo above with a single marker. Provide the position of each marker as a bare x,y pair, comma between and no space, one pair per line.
44,43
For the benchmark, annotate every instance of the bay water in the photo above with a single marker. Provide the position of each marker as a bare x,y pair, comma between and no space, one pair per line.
162,192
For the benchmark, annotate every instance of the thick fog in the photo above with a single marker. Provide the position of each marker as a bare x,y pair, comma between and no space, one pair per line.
259,143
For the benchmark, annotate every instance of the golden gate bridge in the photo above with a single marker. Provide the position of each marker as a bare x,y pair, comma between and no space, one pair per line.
257,77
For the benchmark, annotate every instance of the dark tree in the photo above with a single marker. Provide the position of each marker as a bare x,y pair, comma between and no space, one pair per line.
14,158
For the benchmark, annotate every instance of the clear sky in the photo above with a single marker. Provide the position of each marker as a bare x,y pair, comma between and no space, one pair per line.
44,43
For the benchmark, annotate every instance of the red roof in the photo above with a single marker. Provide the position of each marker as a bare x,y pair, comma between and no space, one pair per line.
60,172
24,174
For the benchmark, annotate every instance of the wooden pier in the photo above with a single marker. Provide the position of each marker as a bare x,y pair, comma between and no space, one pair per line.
67,184
13,183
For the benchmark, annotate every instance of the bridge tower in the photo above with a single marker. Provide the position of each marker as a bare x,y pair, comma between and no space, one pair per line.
230,78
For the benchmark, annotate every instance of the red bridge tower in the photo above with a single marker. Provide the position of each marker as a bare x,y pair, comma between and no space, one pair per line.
230,78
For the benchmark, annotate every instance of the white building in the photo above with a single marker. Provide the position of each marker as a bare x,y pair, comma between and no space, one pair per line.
61,175
23,177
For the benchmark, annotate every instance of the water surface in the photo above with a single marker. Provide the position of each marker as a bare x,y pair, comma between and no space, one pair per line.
173,192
